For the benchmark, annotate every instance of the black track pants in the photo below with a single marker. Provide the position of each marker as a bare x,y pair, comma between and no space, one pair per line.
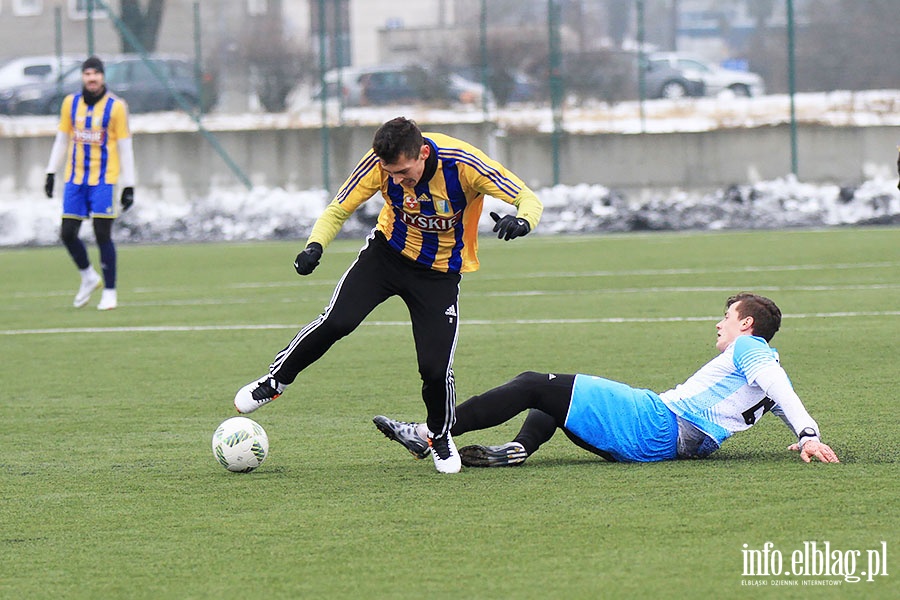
546,397
432,298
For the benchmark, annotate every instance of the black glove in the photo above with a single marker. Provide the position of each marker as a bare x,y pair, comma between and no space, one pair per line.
308,260
48,185
509,227
127,198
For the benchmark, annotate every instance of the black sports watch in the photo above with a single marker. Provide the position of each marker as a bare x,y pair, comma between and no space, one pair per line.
807,432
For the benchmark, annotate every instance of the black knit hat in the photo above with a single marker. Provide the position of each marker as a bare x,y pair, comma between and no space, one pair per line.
92,63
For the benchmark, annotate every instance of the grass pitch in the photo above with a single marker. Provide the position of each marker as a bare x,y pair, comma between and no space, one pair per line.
110,489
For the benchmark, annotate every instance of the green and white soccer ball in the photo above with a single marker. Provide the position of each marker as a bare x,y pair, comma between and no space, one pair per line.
240,444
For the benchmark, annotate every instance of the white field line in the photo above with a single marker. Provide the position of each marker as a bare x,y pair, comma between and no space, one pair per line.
688,289
473,322
696,271
300,283
555,292
558,292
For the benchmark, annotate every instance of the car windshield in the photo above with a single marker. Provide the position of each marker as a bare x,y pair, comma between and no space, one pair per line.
141,71
116,73
692,64
73,77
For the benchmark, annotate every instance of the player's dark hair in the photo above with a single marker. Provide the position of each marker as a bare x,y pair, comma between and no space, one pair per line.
398,137
766,315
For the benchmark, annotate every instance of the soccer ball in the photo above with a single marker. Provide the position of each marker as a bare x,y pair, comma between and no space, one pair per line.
240,444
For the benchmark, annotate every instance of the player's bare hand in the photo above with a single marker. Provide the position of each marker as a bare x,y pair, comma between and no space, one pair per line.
815,449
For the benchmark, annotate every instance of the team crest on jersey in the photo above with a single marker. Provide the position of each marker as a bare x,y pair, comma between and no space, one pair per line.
410,202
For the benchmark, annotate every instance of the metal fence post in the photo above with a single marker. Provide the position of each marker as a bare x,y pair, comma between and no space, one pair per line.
90,27
556,88
792,83
325,134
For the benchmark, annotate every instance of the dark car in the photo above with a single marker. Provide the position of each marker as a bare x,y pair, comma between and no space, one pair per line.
130,77
382,85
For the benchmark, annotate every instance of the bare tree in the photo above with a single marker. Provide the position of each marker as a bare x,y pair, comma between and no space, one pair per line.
849,45
143,23
509,49
276,62
839,45
619,20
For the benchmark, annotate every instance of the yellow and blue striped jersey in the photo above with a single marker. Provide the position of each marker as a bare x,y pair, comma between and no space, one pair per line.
94,133
436,223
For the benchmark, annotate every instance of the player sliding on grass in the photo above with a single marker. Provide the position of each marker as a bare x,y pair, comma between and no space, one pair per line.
433,187
620,423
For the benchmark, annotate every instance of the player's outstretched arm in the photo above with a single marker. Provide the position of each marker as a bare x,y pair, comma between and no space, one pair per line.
815,449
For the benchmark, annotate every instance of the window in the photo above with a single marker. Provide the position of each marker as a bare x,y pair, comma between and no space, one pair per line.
181,70
141,71
78,10
257,8
27,8
38,70
685,63
116,74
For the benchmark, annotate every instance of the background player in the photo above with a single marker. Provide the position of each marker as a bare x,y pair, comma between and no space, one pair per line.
433,187
620,423
94,135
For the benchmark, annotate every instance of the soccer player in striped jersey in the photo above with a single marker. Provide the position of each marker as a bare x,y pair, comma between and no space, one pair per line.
728,394
94,135
426,237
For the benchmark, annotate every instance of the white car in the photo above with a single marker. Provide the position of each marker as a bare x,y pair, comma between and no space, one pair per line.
34,69
715,78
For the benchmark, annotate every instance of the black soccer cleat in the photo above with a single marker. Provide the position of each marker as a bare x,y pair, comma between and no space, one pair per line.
507,455
412,436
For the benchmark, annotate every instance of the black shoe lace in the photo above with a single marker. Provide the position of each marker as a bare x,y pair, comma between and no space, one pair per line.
263,391
441,447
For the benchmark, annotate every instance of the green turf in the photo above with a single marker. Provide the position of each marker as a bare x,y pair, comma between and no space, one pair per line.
110,490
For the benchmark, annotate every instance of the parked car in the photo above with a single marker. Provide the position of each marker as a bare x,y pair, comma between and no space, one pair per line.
613,75
398,84
133,79
40,98
129,77
34,69
506,86
715,79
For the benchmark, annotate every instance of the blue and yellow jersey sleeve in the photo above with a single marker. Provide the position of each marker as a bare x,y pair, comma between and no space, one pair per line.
94,133
436,223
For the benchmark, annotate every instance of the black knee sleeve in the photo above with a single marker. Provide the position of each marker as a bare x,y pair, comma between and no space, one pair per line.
103,230
68,231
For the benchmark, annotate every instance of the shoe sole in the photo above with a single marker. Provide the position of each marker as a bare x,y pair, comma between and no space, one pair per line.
481,456
258,405
247,390
389,434
77,304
